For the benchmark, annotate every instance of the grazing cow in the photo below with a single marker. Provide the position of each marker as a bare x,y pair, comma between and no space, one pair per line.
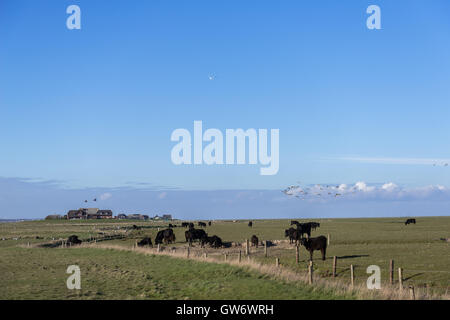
135,227
410,221
201,224
250,224
185,224
145,242
311,244
165,235
213,241
254,240
209,223
191,225
195,234
171,225
73,240
294,222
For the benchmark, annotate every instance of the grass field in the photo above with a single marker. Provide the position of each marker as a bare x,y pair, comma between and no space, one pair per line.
110,274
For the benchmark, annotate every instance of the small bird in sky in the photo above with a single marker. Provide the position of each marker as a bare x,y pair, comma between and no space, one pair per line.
95,199
85,201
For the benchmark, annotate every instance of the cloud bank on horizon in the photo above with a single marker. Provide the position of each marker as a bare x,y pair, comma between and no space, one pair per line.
23,198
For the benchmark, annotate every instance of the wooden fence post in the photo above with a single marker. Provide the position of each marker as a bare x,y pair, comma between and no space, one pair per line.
391,272
310,272
328,239
297,256
400,278
277,262
225,256
265,248
188,252
205,255
352,275
247,248
334,266
411,293
159,248
240,255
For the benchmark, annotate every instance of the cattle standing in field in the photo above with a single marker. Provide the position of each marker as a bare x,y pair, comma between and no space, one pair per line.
166,235
73,240
213,241
185,224
292,234
191,225
250,224
171,225
201,224
410,221
294,222
254,240
145,242
311,244
209,223
314,225
304,228
195,234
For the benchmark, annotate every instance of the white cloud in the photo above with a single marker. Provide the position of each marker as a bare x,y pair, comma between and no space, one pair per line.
105,196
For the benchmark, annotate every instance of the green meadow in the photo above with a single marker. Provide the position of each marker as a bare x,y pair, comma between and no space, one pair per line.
28,271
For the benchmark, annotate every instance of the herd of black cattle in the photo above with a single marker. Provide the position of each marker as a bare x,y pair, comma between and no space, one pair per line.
167,236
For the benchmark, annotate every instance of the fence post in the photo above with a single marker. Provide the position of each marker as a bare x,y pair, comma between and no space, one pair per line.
240,255
265,248
188,252
159,248
277,262
247,248
391,272
297,256
205,255
328,239
352,275
310,272
225,256
411,293
334,266
400,278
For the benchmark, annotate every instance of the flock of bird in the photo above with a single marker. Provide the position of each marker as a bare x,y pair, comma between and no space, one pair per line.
95,200
318,191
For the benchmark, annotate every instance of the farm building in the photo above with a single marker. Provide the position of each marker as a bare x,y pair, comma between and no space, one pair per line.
122,216
89,213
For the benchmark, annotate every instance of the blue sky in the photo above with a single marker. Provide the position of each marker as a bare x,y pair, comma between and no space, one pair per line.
93,109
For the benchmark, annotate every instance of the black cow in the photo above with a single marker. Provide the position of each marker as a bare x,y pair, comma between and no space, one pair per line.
195,234
73,240
311,244
213,241
254,240
315,225
294,222
410,221
293,235
191,225
201,224
165,235
185,224
304,228
250,224
145,242
135,227
209,223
